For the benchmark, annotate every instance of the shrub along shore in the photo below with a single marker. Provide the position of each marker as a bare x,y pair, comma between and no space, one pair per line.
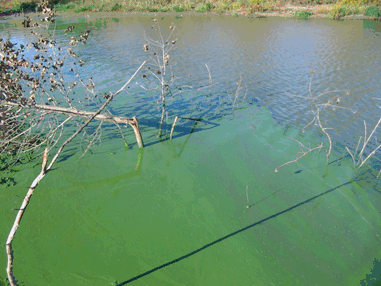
259,8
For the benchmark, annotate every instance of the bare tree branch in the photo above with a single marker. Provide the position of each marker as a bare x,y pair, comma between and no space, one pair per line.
42,174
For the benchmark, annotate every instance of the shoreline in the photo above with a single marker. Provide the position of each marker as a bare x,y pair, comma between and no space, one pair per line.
266,9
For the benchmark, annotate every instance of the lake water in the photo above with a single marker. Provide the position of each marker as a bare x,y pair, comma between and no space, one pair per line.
175,212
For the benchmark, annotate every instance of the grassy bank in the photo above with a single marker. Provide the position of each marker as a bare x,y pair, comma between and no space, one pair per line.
298,8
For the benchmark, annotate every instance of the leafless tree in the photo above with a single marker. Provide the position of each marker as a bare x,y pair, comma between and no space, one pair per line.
159,75
30,122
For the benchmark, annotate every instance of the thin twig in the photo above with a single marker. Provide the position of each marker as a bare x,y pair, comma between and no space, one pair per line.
353,158
173,126
210,76
303,153
36,181
367,140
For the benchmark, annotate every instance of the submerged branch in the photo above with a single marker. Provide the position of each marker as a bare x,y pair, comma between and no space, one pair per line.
44,171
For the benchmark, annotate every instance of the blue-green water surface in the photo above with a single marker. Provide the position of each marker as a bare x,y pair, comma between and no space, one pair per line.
177,212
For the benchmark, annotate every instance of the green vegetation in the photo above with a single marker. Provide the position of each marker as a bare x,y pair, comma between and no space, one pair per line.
65,7
304,15
83,9
28,7
116,7
372,11
331,8
178,9
204,7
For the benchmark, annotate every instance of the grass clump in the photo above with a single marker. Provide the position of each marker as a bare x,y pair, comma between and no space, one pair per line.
204,7
178,9
83,9
28,6
303,15
116,7
150,9
372,11
64,7
338,9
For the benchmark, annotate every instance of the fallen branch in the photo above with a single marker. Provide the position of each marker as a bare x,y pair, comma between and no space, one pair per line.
20,213
173,126
176,120
42,174
301,154
82,113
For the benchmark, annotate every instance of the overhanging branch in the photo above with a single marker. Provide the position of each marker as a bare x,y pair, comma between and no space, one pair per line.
82,113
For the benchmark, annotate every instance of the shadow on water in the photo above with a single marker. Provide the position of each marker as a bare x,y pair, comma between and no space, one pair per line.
182,130
249,206
356,179
325,165
213,112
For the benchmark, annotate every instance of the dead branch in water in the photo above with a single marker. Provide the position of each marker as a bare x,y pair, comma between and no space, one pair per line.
316,109
173,126
12,100
333,103
80,113
160,77
42,174
304,151
358,158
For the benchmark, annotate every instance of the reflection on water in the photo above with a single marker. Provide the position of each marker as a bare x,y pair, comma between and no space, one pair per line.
176,213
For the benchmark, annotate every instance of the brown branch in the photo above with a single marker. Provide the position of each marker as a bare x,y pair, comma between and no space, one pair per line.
43,172
72,112
121,133
173,126
16,224
82,113
301,154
